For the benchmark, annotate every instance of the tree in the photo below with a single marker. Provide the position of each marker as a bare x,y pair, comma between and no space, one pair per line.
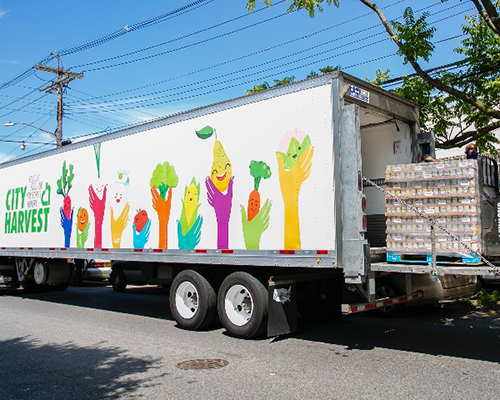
460,105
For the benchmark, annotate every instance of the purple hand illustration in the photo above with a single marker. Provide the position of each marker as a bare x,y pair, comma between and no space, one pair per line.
222,205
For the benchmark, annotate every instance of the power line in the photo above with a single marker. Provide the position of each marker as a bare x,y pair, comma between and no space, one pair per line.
106,38
277,46
177,38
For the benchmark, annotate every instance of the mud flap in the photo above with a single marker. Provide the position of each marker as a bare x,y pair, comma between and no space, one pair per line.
282,308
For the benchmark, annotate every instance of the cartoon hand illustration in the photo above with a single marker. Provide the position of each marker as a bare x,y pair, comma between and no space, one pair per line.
222,205
290,183
66,224
191,239
119,225
162,208
252,230
98,206
142,237
81,237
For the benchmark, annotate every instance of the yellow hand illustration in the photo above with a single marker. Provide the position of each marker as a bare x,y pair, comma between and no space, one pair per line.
290,183
119,225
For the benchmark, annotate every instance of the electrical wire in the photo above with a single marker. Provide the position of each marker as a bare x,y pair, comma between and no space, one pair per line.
279,45
104,39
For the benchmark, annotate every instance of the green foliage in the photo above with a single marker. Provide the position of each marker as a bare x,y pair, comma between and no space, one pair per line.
259,170
380,77
258,88
64,183
310,5
488,297
329,69
415,36
285,81
164,177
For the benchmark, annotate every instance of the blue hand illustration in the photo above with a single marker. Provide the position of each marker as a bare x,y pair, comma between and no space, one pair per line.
191,239
142,237
67,225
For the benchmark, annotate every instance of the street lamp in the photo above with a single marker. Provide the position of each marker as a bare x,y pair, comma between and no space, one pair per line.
7,124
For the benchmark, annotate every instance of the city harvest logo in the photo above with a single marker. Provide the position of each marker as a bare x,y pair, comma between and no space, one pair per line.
28,207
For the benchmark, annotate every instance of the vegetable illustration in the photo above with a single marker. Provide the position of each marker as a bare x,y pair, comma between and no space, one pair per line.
294,152
140,219
64,184
219,187
259,170
221,168
164,177
162,182
294,168
141,228
257,220
97,199
119,206
189,226
82,225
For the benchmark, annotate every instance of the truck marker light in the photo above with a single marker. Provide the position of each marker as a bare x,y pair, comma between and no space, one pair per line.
90,249
137,250
363,203
287,251
200,251
104,249
157,250
321,251
227,251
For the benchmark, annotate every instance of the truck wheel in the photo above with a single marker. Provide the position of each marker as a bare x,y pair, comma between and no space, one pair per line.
40,273
117,279
192,300
242,305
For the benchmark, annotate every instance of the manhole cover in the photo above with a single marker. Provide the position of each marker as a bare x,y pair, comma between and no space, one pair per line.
207,363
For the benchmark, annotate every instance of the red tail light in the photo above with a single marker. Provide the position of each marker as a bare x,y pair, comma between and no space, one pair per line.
364,222
363,204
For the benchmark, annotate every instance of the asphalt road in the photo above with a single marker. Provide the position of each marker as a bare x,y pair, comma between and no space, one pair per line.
91,343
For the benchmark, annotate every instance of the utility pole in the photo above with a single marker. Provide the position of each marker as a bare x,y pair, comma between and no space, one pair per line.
64,77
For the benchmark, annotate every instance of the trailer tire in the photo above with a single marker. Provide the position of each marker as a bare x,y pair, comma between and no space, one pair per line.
192,300
117,279
242,305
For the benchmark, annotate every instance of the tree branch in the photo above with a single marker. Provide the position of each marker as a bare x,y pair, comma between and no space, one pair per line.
492,14
467,137
487,17
476,103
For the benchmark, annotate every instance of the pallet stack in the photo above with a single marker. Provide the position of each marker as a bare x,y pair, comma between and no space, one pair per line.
447,191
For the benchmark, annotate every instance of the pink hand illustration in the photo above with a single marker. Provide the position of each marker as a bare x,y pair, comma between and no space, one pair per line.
98,206
222,205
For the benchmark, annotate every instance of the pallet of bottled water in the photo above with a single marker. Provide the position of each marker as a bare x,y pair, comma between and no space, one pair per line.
446,191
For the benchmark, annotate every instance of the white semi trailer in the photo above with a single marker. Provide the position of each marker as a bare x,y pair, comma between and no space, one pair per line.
250,208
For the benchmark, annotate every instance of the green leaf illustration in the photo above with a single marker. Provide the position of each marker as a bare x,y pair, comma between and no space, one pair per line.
205,133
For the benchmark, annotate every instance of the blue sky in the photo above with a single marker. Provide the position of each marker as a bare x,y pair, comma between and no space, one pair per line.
184,69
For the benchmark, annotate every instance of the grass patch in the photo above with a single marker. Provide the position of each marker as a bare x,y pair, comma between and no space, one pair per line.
487,300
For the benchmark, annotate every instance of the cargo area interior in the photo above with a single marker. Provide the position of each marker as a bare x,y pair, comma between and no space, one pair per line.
385,140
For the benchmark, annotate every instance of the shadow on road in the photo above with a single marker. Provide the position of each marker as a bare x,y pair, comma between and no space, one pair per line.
148,301
52,371
454,332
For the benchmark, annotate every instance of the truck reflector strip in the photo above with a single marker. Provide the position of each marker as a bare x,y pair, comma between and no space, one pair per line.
355,308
